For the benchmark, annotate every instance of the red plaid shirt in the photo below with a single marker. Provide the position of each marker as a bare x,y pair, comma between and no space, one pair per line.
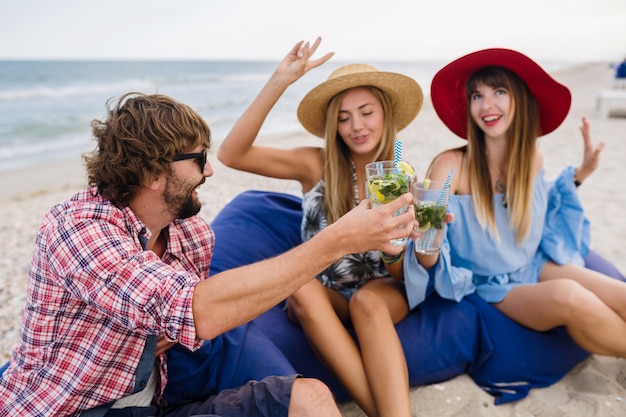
93,297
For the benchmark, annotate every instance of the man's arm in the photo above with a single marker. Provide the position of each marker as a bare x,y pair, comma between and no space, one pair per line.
236,296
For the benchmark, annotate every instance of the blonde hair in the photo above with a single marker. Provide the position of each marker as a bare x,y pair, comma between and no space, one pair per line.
339,195
522,135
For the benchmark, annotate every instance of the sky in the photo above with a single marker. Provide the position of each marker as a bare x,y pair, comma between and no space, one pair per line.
392,30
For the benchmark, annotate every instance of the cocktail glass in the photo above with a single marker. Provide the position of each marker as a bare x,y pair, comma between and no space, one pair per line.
431,205
385,184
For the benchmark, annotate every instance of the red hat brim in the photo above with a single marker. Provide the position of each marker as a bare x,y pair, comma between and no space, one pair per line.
448,88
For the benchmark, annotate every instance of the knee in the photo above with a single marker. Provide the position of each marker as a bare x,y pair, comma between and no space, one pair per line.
297,304
311,396
301,304
366,303
574,300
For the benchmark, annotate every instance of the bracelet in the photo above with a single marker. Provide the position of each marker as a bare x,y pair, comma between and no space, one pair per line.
391,259
576,182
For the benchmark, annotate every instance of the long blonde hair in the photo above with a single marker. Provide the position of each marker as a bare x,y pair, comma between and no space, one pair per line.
522,136
339,195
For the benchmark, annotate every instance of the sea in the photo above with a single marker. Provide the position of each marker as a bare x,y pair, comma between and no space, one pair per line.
46,107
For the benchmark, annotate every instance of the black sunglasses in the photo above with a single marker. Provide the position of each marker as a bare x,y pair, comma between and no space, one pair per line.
200,158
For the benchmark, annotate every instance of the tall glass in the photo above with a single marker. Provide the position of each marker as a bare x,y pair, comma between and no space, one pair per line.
431,205
385,184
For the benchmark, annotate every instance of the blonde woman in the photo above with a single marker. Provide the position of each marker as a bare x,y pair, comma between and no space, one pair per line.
358,112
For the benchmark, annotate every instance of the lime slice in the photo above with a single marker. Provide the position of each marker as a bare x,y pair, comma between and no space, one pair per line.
373,186
405,168
374,189
426,183
424,227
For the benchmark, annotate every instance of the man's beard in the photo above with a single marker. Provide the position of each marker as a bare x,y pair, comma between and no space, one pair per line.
190,207
180,204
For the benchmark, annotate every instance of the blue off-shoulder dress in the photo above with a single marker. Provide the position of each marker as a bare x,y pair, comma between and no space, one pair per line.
473,260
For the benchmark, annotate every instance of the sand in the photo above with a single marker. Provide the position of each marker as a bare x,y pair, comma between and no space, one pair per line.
596,387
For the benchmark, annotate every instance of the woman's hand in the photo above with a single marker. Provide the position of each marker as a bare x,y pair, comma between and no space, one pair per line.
591,157
297,62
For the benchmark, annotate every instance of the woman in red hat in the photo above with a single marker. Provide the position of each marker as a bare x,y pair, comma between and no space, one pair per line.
358,112
518,239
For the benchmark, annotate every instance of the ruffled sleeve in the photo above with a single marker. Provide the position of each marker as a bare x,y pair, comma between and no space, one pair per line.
566,233
450,282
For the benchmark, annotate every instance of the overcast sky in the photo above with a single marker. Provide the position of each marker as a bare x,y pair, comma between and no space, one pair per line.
570,30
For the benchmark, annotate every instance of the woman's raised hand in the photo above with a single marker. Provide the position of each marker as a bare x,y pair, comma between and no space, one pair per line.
591,156
298,62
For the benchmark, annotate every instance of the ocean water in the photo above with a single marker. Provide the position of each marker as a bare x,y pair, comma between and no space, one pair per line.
46,107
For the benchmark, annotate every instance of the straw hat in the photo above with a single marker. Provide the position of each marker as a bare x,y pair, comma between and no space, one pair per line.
448,88
405,93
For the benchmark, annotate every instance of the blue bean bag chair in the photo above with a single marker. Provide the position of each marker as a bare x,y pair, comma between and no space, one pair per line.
441,338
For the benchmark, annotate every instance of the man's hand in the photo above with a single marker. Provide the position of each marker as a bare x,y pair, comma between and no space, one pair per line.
372,229
163,345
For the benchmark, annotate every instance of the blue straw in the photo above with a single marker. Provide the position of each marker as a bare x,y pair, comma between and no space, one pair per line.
446,186
397,154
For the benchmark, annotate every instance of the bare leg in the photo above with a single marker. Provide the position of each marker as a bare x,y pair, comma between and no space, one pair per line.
320,312
374,309
310,397
589,321
611,291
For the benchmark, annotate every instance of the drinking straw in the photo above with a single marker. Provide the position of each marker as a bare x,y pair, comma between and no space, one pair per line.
446,185
397,154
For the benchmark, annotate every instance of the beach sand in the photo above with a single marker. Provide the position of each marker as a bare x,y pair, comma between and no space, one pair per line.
596,387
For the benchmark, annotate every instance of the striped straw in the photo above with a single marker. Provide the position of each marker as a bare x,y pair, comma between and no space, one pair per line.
397,154
446,185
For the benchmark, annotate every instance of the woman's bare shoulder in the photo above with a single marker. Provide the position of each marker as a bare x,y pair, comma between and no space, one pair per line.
446,160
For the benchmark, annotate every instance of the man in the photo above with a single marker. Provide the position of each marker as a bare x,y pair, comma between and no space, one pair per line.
118,276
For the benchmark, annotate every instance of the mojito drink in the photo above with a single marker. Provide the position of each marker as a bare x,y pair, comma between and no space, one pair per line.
385,183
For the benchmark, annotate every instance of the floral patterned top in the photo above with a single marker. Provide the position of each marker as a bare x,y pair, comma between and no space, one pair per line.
351,271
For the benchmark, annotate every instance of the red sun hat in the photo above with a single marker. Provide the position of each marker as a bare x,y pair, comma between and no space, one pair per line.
448,88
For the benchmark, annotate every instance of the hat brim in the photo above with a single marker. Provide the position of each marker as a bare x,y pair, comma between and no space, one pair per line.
450,102
405,93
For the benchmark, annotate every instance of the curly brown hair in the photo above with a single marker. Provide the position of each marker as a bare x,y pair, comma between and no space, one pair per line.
137,140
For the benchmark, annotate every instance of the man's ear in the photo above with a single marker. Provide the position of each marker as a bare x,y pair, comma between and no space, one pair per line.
156,183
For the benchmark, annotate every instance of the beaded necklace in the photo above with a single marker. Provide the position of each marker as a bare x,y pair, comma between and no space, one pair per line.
355,187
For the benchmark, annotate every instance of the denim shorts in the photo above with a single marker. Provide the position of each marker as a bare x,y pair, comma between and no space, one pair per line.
266,398
347,292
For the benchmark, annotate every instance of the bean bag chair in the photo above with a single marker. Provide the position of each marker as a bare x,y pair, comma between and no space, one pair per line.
521,358
441,338
228,361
